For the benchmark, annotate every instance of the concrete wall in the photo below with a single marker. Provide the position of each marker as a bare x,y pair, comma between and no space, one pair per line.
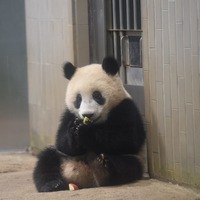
14,130
171,42
53,37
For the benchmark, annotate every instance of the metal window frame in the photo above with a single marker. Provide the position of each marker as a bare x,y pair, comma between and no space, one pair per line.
110,27
120,30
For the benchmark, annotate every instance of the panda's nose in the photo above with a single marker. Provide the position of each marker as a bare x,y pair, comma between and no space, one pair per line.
88,115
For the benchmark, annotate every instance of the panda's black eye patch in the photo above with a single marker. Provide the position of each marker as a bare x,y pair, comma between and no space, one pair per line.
78,100
97,96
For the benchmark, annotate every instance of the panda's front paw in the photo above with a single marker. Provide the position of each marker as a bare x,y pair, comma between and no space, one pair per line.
80,126
102,160
77,124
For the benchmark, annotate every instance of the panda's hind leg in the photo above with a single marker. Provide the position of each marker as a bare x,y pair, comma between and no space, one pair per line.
47,173
122,169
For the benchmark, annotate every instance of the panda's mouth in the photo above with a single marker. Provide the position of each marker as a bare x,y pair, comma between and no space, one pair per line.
87,121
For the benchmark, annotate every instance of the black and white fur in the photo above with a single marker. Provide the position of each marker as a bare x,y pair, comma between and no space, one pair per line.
104,152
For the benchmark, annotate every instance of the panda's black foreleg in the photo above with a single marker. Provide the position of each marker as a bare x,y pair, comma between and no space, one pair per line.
47,173
122,169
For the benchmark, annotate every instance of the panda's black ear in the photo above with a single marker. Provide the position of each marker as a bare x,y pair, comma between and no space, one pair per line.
69,70
110,65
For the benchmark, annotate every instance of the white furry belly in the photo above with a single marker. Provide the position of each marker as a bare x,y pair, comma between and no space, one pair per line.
78,172
70,170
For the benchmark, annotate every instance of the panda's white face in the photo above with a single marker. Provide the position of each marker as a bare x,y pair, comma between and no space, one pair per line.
90,105
93,93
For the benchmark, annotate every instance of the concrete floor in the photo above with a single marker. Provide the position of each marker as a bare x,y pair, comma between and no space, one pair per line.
16,183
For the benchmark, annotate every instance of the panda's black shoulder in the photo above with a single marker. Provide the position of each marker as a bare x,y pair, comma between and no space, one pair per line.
126,110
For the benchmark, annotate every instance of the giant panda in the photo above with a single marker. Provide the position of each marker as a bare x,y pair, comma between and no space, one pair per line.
100,134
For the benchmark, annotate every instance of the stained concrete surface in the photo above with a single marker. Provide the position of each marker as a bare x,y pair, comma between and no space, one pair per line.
16,183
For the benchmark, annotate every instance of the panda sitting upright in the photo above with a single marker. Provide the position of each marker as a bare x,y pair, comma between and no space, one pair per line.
100,134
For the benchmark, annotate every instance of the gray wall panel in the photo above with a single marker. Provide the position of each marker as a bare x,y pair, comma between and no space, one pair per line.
171,60
56,33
